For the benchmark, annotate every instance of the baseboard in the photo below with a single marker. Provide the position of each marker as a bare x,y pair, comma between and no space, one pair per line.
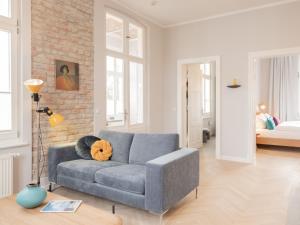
235,159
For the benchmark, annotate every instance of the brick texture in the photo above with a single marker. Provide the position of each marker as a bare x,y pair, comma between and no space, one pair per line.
63,29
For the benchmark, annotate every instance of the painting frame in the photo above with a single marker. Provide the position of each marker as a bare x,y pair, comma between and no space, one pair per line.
66,76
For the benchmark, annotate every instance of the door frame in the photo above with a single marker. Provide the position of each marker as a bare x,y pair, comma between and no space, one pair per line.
180,123
252,88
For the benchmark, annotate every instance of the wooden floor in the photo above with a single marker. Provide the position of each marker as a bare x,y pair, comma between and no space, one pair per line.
267,193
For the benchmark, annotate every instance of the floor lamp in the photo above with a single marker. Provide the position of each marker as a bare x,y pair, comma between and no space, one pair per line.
33,194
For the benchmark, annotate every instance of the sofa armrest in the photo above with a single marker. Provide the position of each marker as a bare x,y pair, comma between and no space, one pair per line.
58,154
170,178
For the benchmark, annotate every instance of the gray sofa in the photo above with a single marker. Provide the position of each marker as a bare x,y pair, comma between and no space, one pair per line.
146,171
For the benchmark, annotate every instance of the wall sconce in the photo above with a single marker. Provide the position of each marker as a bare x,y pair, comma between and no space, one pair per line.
234,84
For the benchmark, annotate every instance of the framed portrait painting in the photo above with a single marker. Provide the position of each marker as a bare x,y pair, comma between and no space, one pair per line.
67,75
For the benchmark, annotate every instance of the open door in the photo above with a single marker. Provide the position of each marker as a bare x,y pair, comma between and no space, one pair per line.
194,106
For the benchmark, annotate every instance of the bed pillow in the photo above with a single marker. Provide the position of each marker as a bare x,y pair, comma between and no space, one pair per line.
276,120
261,121
270,123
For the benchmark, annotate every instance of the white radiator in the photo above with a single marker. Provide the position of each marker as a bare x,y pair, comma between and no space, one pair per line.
6,174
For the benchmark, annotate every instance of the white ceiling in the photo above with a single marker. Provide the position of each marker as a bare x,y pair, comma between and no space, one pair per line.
168,13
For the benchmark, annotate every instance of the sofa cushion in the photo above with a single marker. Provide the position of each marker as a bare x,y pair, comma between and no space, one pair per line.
83,169
146,147
120,143
130,178
83,146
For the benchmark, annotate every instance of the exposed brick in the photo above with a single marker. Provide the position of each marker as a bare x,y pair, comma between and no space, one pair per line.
63,30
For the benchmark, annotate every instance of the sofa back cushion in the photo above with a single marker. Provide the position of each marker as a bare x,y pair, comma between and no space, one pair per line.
146,147
120,143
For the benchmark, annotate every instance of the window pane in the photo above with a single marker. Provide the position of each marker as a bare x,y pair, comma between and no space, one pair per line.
207,88
5,8
5,112
206,95
202,68
114,91
136,93
114,33
205,69
135,41
5,47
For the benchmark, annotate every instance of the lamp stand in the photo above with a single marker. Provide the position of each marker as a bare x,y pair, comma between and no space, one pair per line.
38,146
36,97
33,194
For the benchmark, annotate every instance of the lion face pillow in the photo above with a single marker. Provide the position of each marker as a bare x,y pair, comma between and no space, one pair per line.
101,150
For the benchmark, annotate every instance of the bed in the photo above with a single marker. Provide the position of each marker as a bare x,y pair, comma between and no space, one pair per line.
285,134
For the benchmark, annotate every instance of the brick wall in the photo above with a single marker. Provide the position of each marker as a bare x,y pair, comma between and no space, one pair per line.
63,29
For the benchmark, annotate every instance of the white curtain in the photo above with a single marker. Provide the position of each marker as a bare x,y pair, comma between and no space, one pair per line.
284,87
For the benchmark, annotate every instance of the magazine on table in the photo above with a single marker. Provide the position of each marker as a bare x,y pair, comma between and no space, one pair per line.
61,206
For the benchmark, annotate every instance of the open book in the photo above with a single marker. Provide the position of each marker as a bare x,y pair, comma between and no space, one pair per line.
57,206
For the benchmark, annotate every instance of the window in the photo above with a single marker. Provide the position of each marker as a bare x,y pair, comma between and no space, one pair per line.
115,90
5,8
8,70
125,66
114,33
206,101
136,93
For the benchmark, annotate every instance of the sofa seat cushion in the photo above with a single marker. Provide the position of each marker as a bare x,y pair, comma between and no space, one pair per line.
120,143
130,178
84,169
146,147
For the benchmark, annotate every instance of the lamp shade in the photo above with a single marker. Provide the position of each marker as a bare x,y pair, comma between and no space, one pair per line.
262,107
34,85
55,119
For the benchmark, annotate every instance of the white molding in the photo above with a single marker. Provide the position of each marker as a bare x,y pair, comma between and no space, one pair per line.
217,16
252,56
138,14
232,13
25,71
182,62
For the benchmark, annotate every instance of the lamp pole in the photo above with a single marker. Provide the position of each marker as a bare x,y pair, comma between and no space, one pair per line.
37,98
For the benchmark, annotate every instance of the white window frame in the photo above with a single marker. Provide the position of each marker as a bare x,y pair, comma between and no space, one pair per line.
126,61
19,25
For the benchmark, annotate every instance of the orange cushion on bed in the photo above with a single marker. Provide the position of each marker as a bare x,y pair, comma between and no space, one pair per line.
101,150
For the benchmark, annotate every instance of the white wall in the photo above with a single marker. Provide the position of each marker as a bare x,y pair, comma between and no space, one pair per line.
155,69
232,38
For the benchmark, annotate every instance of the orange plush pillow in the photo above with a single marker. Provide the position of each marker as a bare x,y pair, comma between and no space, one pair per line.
101,150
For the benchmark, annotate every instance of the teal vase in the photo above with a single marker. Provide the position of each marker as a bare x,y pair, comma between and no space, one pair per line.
31,196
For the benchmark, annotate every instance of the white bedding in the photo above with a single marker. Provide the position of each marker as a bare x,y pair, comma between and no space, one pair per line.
289,126
295,135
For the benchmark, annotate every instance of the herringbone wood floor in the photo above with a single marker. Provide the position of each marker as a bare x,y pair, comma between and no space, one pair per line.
267,193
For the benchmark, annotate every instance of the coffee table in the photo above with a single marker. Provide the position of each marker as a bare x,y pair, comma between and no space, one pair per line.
11,213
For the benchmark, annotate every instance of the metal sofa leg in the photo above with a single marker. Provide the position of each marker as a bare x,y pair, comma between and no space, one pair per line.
161,217
196,193
113,209
50,187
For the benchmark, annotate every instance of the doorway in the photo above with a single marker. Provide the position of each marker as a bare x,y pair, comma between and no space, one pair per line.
259,104
198,102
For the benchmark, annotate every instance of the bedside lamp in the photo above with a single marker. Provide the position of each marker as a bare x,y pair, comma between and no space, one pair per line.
33,194
262,108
